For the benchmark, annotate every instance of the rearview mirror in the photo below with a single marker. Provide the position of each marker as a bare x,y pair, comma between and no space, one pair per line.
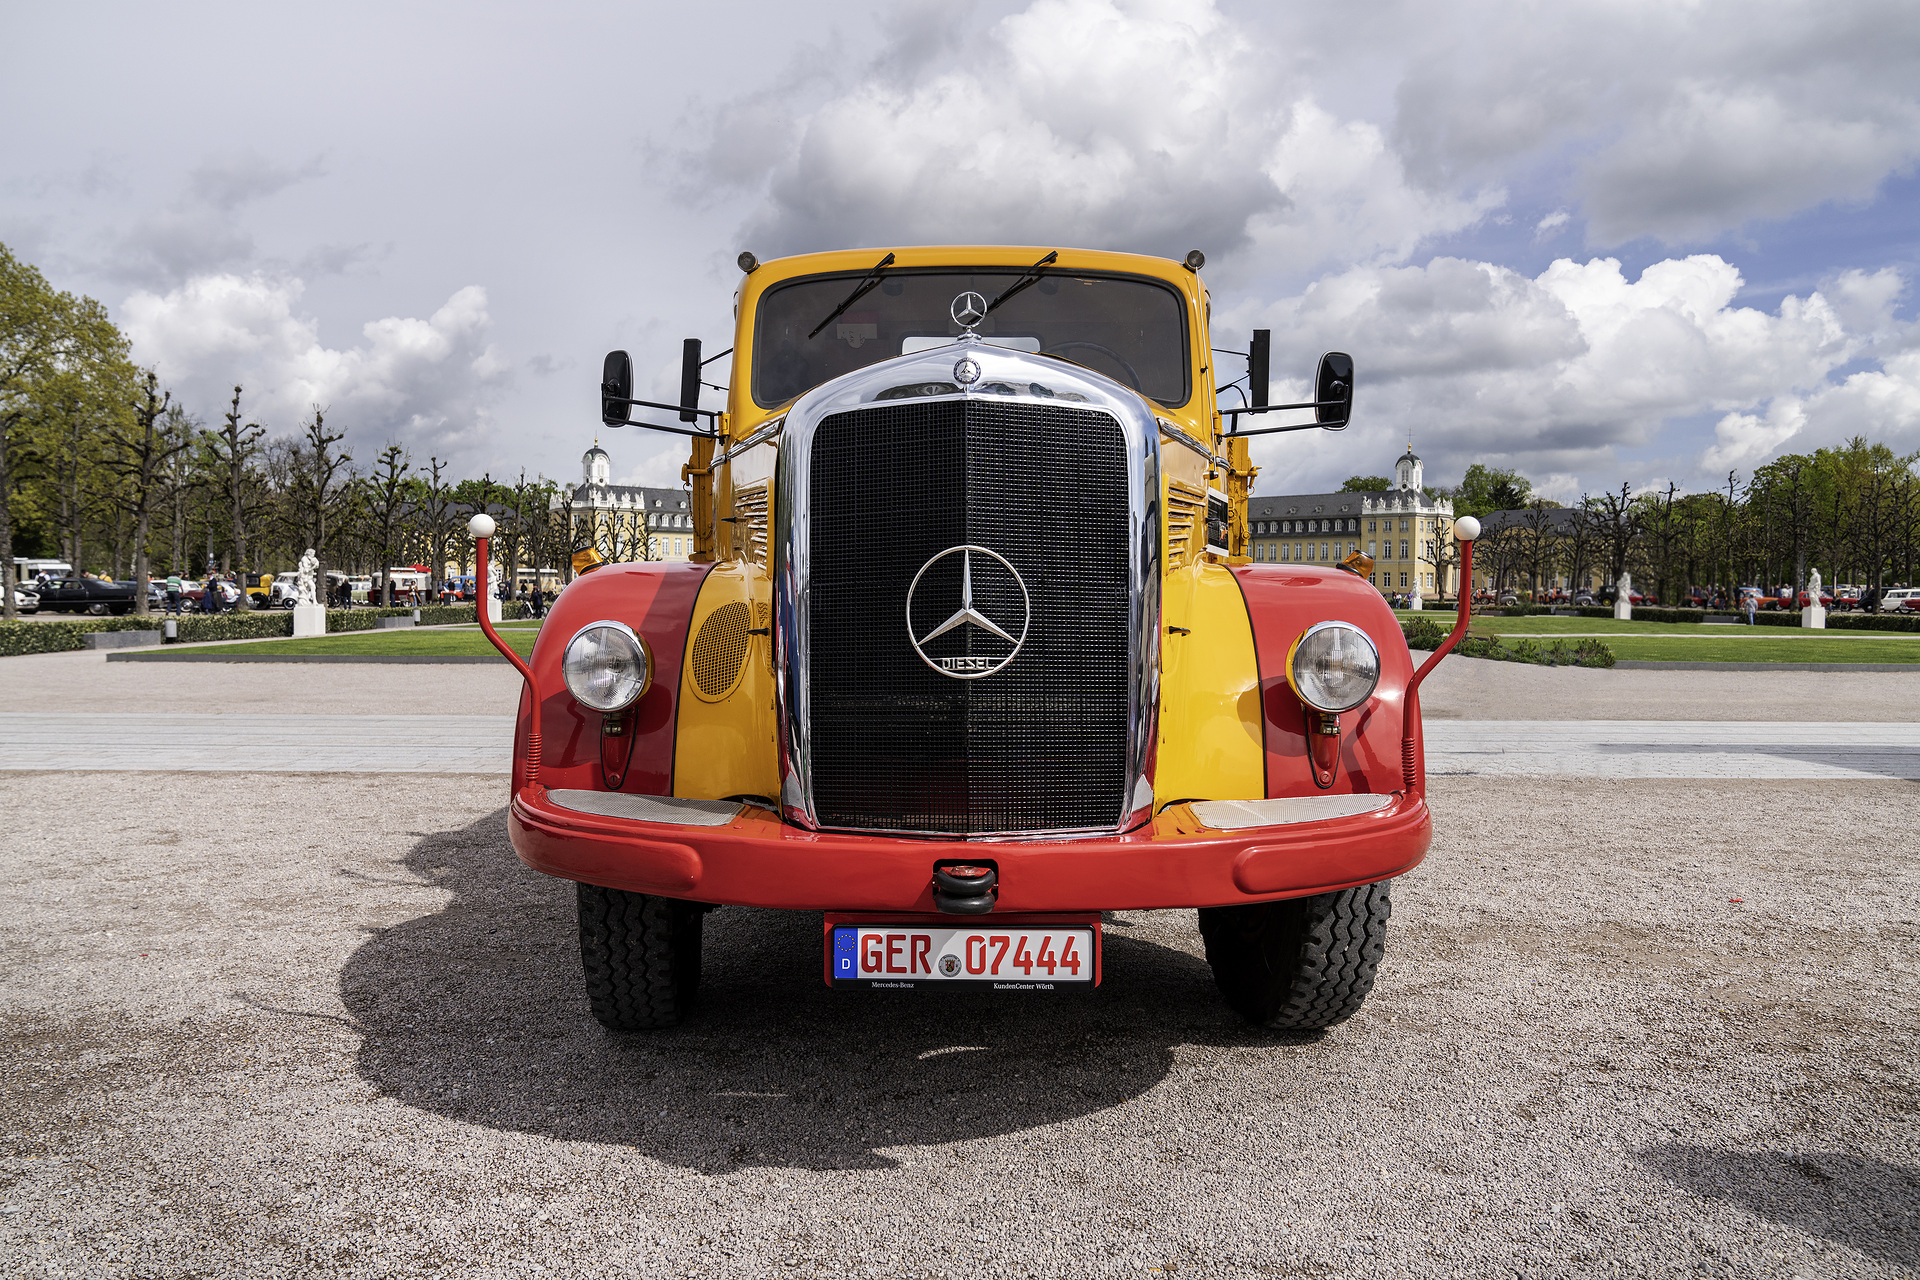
1333,391
689,379
616,388
1258,356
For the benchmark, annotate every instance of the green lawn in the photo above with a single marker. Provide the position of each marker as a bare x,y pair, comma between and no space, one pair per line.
1816,648
453,642
1544,625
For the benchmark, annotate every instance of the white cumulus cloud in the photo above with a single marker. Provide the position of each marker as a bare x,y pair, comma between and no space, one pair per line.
427,382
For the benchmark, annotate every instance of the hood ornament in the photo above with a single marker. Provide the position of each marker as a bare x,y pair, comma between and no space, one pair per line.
968,666
968,310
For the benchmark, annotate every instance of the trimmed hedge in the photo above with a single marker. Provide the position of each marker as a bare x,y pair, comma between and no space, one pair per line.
1422,634
199,628
1874,621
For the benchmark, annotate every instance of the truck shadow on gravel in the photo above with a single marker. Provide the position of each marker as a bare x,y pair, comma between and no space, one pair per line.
1857,1201
477,1013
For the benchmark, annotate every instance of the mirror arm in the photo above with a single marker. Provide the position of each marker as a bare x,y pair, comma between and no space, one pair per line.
655,426
1275,408
607,394
1298,426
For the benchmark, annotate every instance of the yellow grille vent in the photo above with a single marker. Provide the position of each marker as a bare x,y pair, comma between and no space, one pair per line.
750,515
1186,513
720,651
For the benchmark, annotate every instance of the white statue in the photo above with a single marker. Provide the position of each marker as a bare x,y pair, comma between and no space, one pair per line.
304,590
1623,597
1813,586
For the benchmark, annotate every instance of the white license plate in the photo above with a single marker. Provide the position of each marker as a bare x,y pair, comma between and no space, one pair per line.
1011,959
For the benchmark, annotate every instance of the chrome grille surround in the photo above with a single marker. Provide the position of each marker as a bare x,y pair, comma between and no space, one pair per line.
792,551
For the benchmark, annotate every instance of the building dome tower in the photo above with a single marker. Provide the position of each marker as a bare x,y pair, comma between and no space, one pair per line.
1408,473
596,468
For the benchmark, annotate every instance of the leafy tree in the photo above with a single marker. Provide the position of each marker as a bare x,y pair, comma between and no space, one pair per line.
1366,484
44,335
1485,489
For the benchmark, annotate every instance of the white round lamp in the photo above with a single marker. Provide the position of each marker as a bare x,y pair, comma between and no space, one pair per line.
1466,528
481,526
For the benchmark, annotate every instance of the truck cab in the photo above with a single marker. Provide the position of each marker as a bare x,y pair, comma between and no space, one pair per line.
971,651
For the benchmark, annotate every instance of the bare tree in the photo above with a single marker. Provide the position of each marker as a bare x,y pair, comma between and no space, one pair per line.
321,488
142,453
234,447
387,495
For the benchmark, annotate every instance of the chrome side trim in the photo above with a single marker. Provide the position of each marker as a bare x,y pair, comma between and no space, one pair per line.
791,539
1175,432
763,433
667,809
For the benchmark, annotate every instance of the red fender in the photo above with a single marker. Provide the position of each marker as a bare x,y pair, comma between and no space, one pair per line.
656,600
1284,600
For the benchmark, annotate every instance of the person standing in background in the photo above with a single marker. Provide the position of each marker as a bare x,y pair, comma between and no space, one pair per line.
174,589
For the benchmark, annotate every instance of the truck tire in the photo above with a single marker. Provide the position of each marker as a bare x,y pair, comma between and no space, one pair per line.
1305,964
641,957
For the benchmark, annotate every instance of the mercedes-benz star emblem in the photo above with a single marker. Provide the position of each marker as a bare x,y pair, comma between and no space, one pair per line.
966,371
968,310
970,666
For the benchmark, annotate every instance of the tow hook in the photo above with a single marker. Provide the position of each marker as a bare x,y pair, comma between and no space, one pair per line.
965,889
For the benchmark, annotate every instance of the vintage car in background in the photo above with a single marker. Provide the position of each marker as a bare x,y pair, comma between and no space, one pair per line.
25,599
1899,600
87,595
972,650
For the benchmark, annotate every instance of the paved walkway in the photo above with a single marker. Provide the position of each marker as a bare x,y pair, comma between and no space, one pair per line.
1672,749
257,744
480,744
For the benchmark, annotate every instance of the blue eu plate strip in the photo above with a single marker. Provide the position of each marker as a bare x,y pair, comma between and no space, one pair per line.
846,950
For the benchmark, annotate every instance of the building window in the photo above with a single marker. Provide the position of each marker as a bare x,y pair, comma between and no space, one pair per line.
1370,526
1296,551
1403,579
1403,552
1403,526
1371,544
1283,551
1323,552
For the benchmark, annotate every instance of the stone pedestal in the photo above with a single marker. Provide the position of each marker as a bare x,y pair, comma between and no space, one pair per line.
493,608
309,620
1623,608
1814,616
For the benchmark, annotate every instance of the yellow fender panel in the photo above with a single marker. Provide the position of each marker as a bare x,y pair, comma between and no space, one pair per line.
724,742
1211,733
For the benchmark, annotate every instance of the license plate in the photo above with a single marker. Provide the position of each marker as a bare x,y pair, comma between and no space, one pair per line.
1019,959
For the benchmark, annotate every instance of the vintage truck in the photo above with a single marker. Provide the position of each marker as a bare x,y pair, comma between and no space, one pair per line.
971,652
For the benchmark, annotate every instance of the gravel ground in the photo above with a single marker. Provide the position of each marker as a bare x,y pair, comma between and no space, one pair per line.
276,1025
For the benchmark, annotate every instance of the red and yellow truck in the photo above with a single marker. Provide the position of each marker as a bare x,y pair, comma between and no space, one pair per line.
971,651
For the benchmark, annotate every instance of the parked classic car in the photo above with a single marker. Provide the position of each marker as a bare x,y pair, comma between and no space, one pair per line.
87,595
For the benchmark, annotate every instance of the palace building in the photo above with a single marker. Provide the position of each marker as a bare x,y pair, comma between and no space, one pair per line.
626,521
1408,534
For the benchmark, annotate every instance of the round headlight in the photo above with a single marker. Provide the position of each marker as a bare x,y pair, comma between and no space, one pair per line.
607,666
1333,666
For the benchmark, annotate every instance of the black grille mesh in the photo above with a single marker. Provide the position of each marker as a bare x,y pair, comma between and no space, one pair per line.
1040,744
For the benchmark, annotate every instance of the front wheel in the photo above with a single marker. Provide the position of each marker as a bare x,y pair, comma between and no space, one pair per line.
641,957
1305,964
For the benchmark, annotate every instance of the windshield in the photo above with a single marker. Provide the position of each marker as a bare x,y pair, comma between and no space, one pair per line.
1130,328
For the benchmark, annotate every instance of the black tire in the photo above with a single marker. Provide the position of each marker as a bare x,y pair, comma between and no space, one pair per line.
1305,964
641,957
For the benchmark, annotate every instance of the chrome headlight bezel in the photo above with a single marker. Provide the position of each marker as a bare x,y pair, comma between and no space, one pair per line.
1309,689
574,668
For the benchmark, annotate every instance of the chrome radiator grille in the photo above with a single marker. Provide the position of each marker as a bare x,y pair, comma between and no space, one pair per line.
1039,744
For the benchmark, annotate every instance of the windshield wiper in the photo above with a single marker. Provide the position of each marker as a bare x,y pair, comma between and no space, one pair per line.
1030,276
859,292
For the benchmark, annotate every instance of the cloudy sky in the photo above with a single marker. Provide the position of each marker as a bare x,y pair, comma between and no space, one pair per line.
1596,241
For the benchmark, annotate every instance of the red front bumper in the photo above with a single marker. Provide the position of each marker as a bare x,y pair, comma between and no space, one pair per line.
1174,861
